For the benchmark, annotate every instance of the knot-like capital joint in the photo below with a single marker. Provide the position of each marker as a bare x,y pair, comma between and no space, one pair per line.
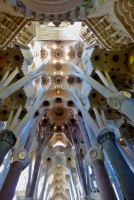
105,136
8,136
94,153
115,101
22,156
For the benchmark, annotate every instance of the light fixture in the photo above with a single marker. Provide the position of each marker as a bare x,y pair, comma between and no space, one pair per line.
58,92
61,61
67,57
54,61
54,46
67,50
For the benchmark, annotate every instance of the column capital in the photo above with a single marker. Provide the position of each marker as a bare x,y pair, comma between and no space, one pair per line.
8,136
94,153
22,156
115,100
105,136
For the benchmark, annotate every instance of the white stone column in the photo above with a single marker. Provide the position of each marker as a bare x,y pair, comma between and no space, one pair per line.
27,117
5,92
5,76
10,77
100,123
97,86
84,112
16,117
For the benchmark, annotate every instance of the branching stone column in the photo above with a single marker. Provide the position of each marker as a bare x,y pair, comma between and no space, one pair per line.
121,168
122,101
42,142
96,158
7,141
20,161
119,100
7,91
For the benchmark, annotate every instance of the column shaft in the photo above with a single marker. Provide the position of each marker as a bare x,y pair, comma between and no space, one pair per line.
103,182
84,133
35,175
9,186
121,168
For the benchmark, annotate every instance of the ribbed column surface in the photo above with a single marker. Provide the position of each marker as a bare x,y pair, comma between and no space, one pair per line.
8,189
103,182
121,168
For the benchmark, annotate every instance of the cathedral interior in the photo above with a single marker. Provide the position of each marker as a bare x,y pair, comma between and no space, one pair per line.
66,99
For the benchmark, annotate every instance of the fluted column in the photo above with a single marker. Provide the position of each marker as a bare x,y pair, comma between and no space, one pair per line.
44,184
41,145
96,159
121,168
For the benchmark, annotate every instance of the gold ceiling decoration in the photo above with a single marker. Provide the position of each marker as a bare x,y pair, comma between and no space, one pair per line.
58,114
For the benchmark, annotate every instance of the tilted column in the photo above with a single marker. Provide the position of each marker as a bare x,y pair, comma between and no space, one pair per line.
20,161
78,160
7,91
7,141
35,175
41,145
10,77
121,168
96,158
83,132
44,184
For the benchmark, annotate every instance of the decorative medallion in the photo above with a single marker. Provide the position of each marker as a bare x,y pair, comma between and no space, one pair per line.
58,54
58,115
44,54
78,80
71,80
58,79
22,155
71,54
45,79
79,54
58,66
59,111
51,6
